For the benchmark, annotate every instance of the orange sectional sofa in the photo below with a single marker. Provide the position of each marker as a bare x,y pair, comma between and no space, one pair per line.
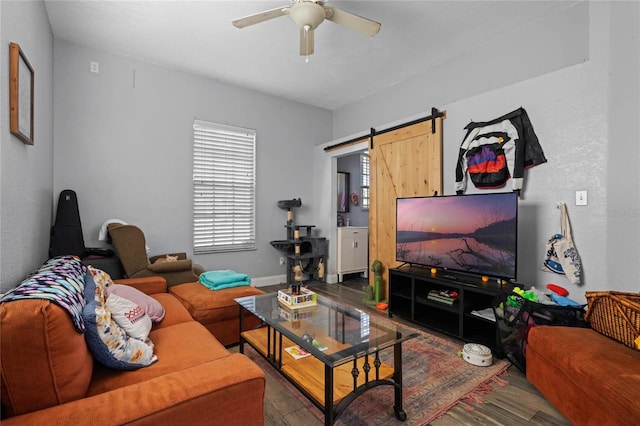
50,377
590,378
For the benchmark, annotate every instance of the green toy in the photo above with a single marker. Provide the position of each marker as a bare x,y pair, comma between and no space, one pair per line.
528,295
376,268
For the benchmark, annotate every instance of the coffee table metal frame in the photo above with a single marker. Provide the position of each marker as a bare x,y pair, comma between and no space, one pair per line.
337,317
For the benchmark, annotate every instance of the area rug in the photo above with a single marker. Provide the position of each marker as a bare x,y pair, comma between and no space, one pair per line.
435,379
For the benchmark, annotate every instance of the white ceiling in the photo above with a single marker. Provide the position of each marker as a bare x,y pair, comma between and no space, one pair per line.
197,37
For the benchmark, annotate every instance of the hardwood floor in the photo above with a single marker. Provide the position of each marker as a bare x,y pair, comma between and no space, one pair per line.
517,403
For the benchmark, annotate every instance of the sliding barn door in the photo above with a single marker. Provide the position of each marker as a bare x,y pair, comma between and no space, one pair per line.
406,162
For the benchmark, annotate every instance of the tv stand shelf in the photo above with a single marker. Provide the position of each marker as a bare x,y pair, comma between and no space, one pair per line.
408,290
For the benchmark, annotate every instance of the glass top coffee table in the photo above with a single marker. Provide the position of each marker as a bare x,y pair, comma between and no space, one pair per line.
330,352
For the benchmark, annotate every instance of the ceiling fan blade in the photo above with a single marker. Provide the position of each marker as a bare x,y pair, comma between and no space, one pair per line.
260,17
306,42
351,21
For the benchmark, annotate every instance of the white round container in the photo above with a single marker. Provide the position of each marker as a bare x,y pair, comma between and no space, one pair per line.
477,354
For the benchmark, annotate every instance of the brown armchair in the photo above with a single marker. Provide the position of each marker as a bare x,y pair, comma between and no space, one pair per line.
129,242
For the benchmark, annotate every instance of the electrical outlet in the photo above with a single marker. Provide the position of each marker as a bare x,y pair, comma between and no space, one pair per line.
282,261
581,198
94,67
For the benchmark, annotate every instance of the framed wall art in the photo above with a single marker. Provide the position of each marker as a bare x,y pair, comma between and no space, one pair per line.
20,94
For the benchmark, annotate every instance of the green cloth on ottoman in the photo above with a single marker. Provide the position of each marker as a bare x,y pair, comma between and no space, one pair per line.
217,280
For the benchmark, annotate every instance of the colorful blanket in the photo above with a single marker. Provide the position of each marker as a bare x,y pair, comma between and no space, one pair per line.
60,280
217,280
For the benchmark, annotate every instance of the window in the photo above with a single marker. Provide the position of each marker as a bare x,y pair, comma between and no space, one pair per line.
364,180
223,188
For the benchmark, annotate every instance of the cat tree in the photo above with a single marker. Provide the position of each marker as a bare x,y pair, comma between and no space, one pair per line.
304,254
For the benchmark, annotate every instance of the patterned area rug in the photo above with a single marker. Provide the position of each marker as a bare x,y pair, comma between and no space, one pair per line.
435,379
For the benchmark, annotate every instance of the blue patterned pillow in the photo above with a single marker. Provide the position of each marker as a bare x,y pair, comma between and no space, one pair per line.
107,341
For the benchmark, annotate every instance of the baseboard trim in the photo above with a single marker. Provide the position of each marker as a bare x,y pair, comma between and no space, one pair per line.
271,280
281,279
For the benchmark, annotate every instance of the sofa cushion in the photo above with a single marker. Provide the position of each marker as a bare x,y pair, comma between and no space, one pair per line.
589,377
227,391
150,306
107,341
175,312
178,347
216,309
208,306
148,285
45,360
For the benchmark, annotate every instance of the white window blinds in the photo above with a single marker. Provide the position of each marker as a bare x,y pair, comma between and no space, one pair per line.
223,188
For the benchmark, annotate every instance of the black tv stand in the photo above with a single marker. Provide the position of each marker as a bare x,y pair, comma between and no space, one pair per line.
410,286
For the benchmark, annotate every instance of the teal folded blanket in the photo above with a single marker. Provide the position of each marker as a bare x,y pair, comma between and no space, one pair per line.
217,280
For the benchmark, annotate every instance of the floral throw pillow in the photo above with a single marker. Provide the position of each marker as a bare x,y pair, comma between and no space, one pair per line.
107,341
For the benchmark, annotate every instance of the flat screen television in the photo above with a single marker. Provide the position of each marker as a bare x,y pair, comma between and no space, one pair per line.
475,234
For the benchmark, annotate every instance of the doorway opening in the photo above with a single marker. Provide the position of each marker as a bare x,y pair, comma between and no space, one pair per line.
353,198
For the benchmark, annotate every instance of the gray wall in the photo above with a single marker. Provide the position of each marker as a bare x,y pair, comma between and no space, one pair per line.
622,144
580,88
124,144
26,172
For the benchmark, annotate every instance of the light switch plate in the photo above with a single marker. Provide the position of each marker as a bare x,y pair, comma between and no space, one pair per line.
581,198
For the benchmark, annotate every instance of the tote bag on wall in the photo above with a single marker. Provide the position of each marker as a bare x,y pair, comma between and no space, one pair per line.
561,255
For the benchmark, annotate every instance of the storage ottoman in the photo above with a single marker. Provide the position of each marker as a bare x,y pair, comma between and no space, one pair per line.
216,309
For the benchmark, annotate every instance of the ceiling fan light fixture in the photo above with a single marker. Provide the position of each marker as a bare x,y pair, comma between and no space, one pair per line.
306,14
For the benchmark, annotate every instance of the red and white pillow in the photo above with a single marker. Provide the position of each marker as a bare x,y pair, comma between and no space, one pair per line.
151,306
130,316
133,310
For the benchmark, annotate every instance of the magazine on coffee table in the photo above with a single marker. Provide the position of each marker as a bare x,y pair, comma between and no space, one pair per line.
297,352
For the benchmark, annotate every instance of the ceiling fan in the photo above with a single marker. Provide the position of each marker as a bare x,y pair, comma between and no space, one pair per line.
308,14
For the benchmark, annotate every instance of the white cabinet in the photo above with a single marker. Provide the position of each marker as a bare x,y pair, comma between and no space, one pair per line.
353,251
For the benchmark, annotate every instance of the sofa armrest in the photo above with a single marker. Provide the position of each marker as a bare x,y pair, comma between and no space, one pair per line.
147,285
175,266
181,256
228,390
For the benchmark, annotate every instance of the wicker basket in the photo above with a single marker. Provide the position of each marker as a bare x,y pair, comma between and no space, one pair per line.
615,314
